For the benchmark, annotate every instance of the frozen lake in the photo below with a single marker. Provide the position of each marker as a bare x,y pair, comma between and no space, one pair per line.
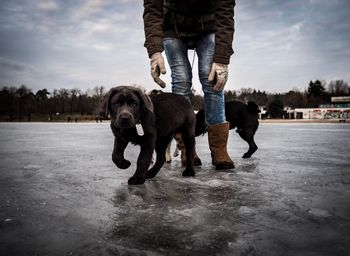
60,194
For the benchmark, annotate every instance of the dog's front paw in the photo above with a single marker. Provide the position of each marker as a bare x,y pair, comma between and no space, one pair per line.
136,180
150,174
122,164
197,161
250,152
188,173
246,155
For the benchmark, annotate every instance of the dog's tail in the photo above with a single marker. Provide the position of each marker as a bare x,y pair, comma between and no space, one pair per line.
253,108
201,126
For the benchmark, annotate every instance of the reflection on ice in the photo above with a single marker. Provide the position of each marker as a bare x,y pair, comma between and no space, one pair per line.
182,218
172,213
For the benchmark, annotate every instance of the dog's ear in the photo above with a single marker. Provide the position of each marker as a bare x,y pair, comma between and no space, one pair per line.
105,102
145,99
253,108
147,117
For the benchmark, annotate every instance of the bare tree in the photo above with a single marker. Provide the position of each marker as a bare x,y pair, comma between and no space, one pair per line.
63,95
338,88
99,92
25,101
8,102
294,99
74,93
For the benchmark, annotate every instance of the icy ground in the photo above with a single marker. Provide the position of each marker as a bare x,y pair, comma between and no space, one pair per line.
60,194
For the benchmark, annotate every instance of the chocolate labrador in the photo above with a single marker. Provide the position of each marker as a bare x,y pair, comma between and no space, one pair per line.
240,115
161,117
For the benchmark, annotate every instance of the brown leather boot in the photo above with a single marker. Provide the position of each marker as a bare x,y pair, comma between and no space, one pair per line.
217,137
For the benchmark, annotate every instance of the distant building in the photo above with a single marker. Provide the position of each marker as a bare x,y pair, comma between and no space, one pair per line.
263,112
338,102
338,109
288,113
322,113
341,99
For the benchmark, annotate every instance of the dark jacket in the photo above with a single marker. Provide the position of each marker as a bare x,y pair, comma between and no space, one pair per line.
189,19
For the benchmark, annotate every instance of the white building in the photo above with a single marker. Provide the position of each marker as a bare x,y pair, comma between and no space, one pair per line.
322,113
338,109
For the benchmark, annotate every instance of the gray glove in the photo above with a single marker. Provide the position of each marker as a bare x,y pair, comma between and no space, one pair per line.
219,74
157,68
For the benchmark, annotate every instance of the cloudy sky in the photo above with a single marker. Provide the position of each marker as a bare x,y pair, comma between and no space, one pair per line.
279,44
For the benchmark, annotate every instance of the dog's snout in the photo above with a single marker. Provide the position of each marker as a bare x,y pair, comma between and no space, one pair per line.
125,120
125,117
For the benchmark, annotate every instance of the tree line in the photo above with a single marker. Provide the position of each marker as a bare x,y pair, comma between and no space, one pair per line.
20,103
318,92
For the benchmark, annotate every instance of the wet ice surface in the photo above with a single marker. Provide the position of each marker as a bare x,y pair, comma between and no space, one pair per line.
60,194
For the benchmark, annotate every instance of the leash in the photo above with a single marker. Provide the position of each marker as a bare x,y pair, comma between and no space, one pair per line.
194,57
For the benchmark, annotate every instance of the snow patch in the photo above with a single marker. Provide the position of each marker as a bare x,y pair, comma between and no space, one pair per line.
319,212
31,167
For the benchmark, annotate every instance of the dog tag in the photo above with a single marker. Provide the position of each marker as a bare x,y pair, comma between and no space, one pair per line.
139,129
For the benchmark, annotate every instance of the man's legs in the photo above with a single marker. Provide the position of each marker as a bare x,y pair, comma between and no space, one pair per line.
214,102
214,105
181,72
181,76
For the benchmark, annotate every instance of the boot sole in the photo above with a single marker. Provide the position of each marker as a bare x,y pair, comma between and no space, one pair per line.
224,167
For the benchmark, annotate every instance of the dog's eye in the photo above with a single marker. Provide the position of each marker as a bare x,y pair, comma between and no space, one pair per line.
117,103
133,103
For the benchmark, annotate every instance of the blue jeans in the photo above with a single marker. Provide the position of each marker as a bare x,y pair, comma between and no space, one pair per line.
181,73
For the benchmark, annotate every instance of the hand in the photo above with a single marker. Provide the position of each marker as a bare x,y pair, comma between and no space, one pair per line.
157,67
219,73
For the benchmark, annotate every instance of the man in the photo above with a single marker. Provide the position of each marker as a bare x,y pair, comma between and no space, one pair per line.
206,26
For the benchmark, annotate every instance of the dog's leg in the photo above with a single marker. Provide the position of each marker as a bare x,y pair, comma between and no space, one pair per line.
160,151
181,146
176,152
167,153
252,148
189,142
248,136
118,154
143,161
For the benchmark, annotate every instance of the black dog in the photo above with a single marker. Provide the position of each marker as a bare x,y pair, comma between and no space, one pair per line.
161,117
240,115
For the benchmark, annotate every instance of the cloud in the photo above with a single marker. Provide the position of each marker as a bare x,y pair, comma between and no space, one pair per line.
9,65
8,70
89,8
278,44
287,43
48,5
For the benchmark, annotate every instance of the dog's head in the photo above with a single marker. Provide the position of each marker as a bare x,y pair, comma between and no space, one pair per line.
253,108
127,106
